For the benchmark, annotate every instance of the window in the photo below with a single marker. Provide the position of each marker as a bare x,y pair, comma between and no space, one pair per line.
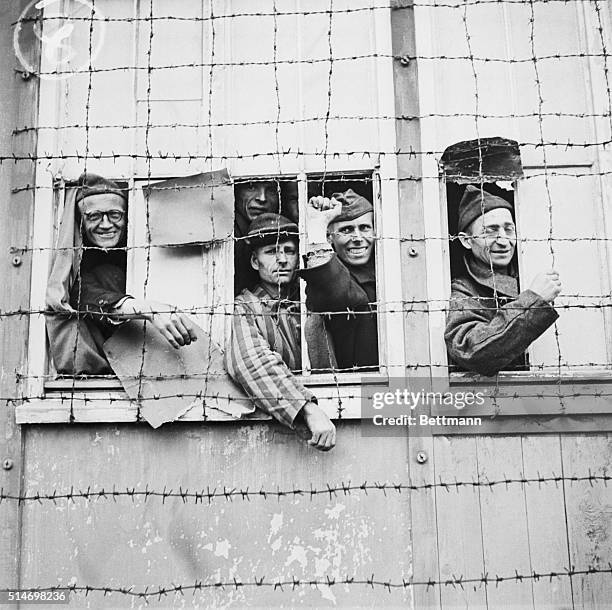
561,202
572,240
490,166
206,86
290,195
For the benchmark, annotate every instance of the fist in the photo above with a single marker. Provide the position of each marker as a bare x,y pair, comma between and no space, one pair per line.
321,431
547,285
322,210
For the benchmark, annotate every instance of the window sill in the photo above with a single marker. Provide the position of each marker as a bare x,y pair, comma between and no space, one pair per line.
521,396
103,400
526,393
534,377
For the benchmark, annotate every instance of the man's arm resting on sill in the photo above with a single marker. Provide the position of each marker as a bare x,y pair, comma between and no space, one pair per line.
266,378
485,345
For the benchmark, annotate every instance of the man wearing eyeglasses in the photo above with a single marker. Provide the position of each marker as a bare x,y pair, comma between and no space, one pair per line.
490,324
98,286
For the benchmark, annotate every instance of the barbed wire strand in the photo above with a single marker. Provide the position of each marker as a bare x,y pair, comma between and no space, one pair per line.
329,490
308,13
293,583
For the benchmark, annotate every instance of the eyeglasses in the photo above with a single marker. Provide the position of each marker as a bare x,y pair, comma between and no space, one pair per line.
508,231
113,216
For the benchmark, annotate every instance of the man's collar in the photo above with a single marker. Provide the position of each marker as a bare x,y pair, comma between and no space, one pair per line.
501,283
273,302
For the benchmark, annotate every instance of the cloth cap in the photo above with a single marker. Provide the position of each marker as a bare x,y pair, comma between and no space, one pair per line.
92,184
475,203
268,228
353,205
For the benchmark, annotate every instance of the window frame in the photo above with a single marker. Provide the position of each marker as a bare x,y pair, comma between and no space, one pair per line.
587,403
596,373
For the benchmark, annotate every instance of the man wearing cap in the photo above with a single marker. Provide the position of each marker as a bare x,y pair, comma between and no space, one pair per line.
265,343
340,275
490,324
253,198
96,285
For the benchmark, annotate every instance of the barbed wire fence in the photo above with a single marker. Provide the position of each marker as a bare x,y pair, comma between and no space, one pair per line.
301,161
331,492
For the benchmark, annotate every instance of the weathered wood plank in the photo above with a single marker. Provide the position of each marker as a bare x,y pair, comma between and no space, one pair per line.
589,516
132,542
585,398
18,102
414,289
504,521
458,522
423,523
532,424
545,506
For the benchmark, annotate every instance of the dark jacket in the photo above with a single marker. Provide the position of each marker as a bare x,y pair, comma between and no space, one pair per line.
76,343
100,287
337,287
489,325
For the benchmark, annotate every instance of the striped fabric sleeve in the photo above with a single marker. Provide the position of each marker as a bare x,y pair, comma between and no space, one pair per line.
261,371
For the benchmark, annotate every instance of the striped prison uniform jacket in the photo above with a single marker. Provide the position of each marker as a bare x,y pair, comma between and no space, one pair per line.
264,349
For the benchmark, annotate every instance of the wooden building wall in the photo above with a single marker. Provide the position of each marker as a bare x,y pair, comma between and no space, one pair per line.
434,532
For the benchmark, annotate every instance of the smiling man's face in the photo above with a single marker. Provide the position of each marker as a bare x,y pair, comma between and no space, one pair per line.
492,238
104,219
353,240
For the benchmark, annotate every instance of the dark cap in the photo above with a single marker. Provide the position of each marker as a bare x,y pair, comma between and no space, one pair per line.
92,184
269,228
475,203
353,205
